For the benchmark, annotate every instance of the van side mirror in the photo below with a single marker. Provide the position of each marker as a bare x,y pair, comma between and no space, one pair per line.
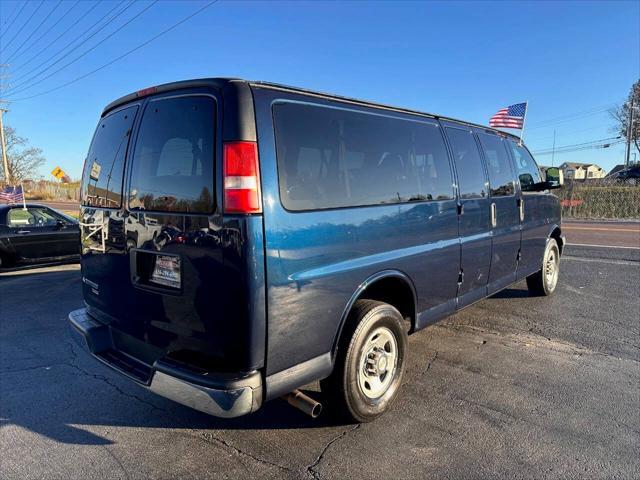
554,178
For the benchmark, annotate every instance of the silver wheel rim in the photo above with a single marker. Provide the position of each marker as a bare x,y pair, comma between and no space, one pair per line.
378,363
551,269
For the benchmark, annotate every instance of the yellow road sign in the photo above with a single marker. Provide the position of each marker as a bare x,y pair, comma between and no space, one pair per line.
58,173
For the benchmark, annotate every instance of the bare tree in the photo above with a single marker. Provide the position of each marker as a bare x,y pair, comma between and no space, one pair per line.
622,116
23,159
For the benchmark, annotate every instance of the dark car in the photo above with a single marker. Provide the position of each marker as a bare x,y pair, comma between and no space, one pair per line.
629,174
35,233
333,228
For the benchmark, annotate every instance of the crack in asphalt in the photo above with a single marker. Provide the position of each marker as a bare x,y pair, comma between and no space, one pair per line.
208,437
311,469
106,380
431,360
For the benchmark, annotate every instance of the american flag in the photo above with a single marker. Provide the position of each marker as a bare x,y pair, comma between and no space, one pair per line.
510,117
12,194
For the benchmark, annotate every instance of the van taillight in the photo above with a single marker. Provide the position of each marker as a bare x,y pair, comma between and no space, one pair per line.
241,178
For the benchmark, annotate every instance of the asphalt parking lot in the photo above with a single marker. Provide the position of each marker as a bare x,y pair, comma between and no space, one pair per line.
513,387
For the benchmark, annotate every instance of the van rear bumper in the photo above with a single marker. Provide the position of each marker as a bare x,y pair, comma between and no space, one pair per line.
224,395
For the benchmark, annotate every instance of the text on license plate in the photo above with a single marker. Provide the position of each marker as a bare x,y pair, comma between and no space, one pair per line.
166,271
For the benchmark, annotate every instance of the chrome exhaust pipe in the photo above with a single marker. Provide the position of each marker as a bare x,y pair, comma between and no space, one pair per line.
303,402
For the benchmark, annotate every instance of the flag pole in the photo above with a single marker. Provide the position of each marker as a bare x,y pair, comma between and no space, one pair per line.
526,108
24,201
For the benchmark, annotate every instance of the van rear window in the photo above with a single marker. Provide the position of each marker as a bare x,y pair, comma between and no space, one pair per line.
104,165
173,158
330,158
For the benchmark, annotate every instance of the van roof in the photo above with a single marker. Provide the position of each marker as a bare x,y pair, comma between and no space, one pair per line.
220,82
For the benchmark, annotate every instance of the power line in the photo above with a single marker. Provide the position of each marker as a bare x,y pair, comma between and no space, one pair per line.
23,25
580,146
50,44
579,149
34,31
2,34
44,70
583,143
86,51
563,134
72,45
127,53
64,15
572,117
582,112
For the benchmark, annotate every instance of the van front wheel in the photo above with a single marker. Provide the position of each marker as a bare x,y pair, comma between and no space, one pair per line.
369,363
543,282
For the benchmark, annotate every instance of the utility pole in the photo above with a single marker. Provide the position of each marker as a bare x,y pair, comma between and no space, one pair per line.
5,162
3,145
630,130
553,151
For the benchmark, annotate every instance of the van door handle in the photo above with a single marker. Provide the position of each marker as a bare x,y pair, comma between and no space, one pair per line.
24,231
521,207
493,215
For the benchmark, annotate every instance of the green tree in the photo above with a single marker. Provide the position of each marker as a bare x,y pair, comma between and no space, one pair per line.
24,160
622,116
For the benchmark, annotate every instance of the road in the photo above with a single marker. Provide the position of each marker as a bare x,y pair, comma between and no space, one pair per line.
620,234
512,387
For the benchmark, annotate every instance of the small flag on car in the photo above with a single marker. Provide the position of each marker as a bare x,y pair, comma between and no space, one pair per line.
510,117
12,194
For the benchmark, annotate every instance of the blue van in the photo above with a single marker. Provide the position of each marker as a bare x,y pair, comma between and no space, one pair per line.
243,239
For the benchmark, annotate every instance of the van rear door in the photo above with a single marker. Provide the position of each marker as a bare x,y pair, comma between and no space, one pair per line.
160,263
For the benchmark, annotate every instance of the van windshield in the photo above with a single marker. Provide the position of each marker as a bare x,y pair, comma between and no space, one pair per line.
173,158
104,165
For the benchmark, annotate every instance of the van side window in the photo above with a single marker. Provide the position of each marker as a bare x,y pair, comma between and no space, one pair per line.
528,172
172,167
498,165
330,158
104,165
471,176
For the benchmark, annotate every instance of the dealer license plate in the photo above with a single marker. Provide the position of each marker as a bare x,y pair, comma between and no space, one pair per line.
166,271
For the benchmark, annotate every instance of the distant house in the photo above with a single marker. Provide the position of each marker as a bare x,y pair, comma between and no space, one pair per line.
582,171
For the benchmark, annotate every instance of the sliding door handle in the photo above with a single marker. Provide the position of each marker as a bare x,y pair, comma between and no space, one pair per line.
494,215
521,208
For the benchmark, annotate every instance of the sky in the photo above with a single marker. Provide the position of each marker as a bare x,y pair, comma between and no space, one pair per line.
572,61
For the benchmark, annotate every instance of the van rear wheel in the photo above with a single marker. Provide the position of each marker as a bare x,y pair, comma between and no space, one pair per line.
369,363
544,282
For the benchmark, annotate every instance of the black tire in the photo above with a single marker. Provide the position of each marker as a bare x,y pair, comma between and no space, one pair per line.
544,281
370,323
6,261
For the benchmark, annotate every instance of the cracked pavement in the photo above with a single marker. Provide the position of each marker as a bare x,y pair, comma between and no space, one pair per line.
512,387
